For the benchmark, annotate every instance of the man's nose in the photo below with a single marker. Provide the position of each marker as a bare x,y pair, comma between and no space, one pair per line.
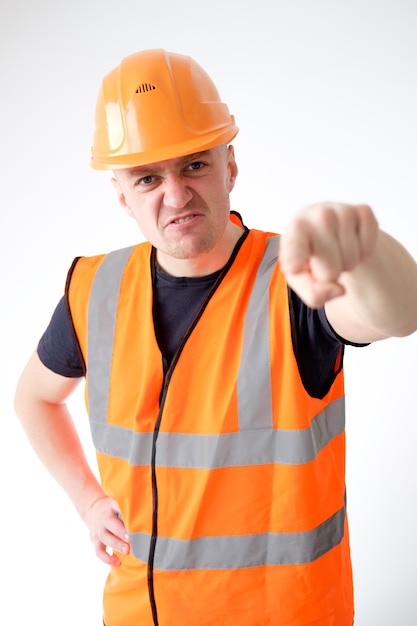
176,193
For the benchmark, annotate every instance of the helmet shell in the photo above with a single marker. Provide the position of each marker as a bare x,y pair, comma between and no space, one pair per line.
157,105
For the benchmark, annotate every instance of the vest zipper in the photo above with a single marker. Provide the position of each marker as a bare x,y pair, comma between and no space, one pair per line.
165,385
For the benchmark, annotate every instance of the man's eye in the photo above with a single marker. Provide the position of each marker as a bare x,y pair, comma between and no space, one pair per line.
196,165
145,180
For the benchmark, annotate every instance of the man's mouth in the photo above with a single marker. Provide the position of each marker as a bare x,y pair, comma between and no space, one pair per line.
182,220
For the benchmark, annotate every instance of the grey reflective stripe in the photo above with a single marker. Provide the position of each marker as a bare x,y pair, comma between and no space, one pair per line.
246,447
102,311
254,399
229,552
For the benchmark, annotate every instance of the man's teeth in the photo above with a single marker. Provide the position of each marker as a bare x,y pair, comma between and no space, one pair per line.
181,220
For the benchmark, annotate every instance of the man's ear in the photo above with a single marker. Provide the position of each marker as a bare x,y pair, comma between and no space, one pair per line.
120,196
232,167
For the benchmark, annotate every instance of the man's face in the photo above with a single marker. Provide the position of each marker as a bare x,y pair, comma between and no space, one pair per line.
181,205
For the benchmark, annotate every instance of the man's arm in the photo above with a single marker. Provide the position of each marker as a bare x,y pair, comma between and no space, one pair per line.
40,405
336,255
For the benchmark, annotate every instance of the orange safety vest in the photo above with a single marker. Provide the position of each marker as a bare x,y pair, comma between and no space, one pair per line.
230,477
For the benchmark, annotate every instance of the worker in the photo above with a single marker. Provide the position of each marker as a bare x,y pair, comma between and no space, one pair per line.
213,358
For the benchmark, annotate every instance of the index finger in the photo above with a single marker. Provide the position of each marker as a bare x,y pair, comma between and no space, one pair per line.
296,246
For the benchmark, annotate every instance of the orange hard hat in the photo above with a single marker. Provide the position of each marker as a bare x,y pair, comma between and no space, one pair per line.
157,105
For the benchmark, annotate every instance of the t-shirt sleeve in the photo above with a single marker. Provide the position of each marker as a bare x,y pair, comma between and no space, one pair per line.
57,348
319,350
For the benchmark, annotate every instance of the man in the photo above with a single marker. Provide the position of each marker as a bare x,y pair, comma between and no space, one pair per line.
213,356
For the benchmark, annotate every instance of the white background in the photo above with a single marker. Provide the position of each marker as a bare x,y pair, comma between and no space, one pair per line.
325,94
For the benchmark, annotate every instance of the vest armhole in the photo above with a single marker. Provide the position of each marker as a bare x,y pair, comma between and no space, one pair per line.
68,309
316,386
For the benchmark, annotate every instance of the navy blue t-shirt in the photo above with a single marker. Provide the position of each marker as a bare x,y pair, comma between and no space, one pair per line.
316,346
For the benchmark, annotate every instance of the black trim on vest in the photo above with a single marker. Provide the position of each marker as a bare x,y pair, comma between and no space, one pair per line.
68,309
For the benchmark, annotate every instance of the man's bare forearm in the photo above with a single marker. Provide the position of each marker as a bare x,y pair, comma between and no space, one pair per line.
50,430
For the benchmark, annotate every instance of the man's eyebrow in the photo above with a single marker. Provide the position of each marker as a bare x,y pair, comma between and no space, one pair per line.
155,167
140,169
189,158
197,155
